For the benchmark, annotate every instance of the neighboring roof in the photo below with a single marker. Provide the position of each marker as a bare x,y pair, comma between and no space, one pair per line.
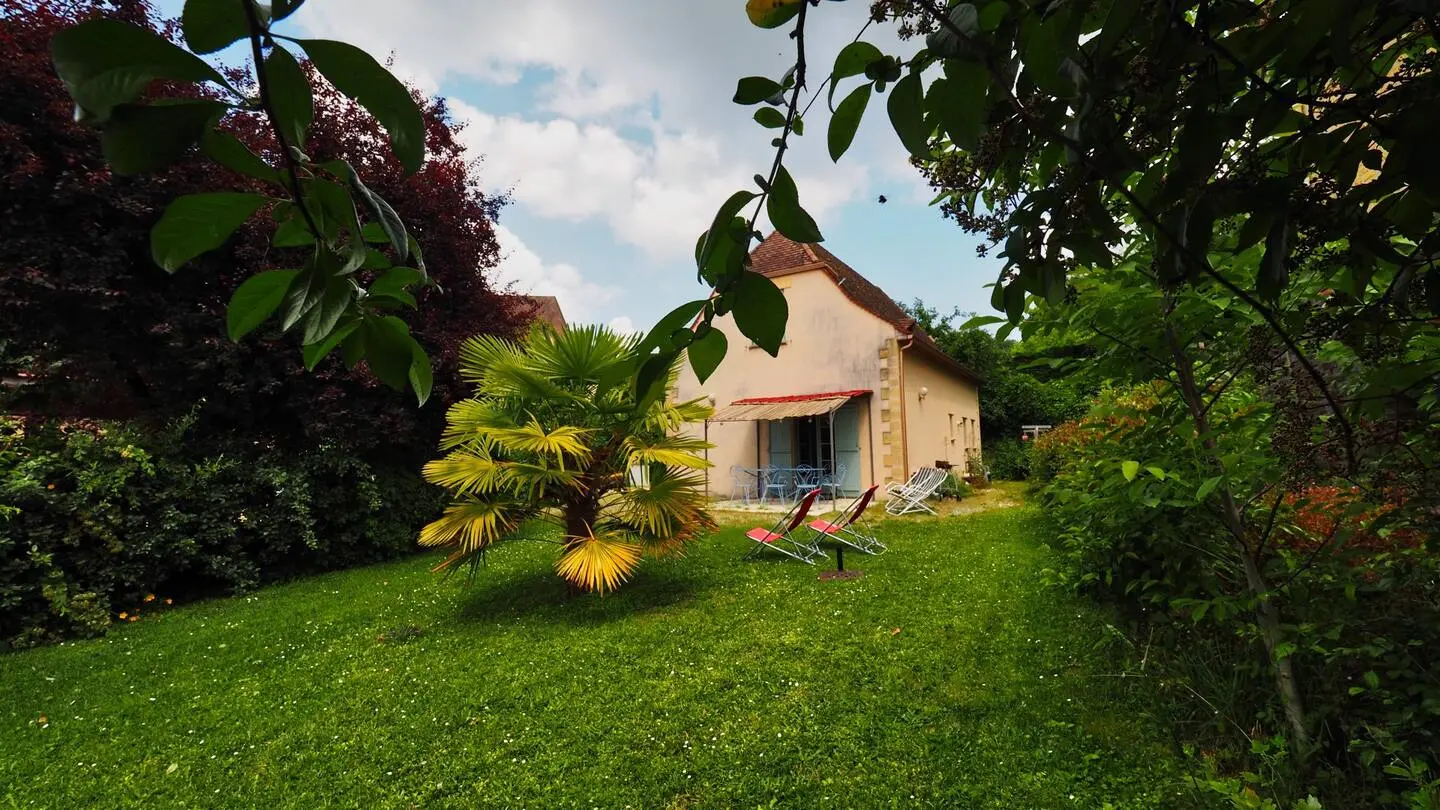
547,309
780,256
786,407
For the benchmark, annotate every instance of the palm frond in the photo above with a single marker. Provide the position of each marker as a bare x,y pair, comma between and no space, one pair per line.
502,369
467,473
536,481
672,506
598,562
467,423
671,451
566,441
473,524
671,416
580,353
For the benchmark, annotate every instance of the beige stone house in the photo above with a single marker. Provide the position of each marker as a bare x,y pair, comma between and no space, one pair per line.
857,383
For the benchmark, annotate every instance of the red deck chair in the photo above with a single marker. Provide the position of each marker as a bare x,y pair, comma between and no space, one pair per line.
845,529
779,537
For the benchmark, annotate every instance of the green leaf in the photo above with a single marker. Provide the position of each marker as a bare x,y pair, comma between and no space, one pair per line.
139,139
293,232
389,350
280,9
352,349
755,89
992,15
719,226
786,214
650,379
422,377
846,120
340,208
396,280
761,311
770,118
196,223
706,352
380,211
315,352
851,61
1157,472
980,320
290,95
104,63
677,318
228,151
210,25
944,43
1207,487
959,102
1254,229
772,13
255,300
1045,51
304,294
1130,469
321,319
1014,298
356,74
907,115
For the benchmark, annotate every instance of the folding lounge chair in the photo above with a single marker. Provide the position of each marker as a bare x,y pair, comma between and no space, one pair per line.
844,529
911,497
780,538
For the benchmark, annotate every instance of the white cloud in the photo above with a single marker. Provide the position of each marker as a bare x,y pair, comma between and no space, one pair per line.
623,325
630,121
580,300
655,196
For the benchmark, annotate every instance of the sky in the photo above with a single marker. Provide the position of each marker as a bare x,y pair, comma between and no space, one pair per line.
609,122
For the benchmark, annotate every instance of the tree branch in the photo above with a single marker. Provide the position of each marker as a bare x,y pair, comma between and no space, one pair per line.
292,168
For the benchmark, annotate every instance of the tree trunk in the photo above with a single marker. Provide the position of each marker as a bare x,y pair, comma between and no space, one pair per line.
1267,616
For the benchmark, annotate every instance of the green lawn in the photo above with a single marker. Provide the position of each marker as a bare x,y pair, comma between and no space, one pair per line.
948,676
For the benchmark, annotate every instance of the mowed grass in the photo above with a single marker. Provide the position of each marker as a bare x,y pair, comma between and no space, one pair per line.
948,676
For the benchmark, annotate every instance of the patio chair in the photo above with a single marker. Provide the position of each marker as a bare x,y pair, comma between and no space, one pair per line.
910,496
846,528
776,480
780,537
833,481
743,483
805,478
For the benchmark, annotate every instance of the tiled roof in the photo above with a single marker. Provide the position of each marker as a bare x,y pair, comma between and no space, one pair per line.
779,256
859,392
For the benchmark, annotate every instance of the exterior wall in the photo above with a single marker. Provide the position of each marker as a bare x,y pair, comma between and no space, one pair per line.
831,344
944,423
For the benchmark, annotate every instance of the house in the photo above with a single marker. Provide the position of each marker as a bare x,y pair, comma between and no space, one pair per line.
857,383
544,308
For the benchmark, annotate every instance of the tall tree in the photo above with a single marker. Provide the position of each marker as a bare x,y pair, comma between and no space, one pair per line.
105,331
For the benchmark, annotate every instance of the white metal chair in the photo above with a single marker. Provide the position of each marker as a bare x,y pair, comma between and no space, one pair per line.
776,480
910,496
805,479
833,481
743,483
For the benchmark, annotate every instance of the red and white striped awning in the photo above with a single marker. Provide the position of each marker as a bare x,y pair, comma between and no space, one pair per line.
754,409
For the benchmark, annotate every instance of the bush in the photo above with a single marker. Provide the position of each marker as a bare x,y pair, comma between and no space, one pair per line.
1360,601
1006,459
101,521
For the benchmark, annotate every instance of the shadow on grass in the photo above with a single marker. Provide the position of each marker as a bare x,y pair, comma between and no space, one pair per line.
543,595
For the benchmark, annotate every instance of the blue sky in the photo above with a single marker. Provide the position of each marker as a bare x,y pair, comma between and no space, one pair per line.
610,123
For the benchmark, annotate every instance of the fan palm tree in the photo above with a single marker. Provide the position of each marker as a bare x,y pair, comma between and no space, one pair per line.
553,433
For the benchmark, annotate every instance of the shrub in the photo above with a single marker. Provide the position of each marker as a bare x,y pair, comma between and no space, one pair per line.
1006,459
1135,522
102,519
